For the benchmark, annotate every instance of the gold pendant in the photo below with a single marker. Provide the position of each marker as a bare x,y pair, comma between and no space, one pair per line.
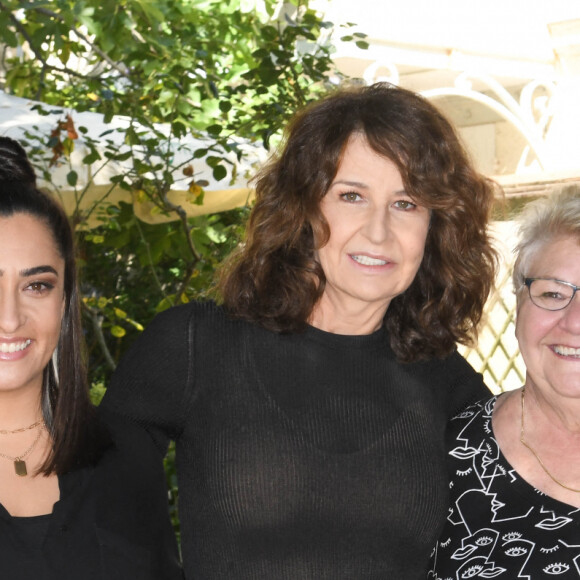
20,467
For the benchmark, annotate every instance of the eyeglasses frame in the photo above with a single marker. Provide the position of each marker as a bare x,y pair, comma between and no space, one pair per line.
528,283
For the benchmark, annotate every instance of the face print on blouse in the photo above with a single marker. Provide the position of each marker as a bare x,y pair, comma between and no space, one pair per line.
498,525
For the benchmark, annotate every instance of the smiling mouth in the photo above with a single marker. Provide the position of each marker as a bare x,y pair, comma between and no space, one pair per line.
567,351
10,347
367,261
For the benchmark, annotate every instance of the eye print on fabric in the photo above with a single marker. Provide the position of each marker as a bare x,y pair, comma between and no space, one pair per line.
472,572
556,569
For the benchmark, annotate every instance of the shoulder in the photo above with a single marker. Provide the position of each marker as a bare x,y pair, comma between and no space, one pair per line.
180,318
449,370
456,368
470,446
156,380
472,422
167,343
196,316
453,381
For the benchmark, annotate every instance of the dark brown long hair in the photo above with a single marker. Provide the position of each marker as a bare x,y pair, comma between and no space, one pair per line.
274,279
65,402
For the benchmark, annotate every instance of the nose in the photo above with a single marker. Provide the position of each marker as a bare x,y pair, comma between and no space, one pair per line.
377,225
571,318
11,315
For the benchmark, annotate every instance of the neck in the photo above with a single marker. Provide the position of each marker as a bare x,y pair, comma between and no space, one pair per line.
19,409
561,414
349,319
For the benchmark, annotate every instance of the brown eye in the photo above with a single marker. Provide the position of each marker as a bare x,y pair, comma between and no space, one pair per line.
39,287
350,196
404,204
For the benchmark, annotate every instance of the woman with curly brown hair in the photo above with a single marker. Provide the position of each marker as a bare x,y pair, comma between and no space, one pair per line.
309,407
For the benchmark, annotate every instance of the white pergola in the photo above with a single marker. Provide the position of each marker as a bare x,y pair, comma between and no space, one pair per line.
507,73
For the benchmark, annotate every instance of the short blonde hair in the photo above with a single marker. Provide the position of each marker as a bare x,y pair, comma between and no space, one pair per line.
541,222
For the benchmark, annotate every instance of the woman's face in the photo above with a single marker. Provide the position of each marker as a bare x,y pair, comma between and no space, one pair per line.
31,301
377,232
550,340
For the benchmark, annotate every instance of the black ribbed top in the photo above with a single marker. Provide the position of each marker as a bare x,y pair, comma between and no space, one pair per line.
305,456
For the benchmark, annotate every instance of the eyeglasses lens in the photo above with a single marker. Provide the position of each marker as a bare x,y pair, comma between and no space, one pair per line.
550,294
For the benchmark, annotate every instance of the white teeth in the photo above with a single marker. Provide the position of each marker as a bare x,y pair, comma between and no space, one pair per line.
366,261
567,351
9,347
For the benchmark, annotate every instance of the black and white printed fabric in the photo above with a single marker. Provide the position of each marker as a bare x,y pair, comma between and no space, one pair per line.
499,526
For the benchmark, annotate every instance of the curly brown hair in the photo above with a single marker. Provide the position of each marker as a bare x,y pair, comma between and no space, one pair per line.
274,279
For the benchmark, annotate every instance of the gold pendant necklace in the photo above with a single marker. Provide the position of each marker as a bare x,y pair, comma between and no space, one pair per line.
523,442
19,463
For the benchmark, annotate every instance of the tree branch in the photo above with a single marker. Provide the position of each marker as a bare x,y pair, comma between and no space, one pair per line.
45,65
94,317
186,279
193,250
126,72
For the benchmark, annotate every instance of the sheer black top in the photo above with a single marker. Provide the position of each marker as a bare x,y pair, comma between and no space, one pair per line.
303,456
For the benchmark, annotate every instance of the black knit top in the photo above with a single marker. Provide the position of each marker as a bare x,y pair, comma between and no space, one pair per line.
303,456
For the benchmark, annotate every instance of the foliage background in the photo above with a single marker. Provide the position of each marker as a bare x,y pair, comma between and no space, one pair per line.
222,70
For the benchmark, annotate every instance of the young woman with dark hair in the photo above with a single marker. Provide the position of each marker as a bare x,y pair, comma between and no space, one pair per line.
309,407
68,416
79,498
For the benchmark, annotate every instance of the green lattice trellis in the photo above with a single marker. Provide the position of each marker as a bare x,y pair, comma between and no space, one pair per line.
497,355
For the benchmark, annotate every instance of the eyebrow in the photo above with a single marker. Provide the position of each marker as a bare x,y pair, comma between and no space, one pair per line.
35,271
350,183
363,186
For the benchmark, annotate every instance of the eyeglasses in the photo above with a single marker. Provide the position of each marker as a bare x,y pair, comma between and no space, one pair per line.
550,294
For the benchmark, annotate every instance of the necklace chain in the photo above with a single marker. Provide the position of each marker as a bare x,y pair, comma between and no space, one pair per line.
523,442
19,463
22,429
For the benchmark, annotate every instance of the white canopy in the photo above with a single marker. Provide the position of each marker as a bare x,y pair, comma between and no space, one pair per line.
19,118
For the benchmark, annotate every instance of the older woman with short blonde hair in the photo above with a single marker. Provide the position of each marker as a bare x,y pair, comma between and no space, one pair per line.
516,458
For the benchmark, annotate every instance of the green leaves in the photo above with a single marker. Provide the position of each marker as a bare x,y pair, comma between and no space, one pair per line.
358,38
72,178
217,66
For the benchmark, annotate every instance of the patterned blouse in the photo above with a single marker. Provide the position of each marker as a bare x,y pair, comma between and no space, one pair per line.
499,526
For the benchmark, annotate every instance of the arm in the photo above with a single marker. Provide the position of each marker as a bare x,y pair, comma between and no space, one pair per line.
151,385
